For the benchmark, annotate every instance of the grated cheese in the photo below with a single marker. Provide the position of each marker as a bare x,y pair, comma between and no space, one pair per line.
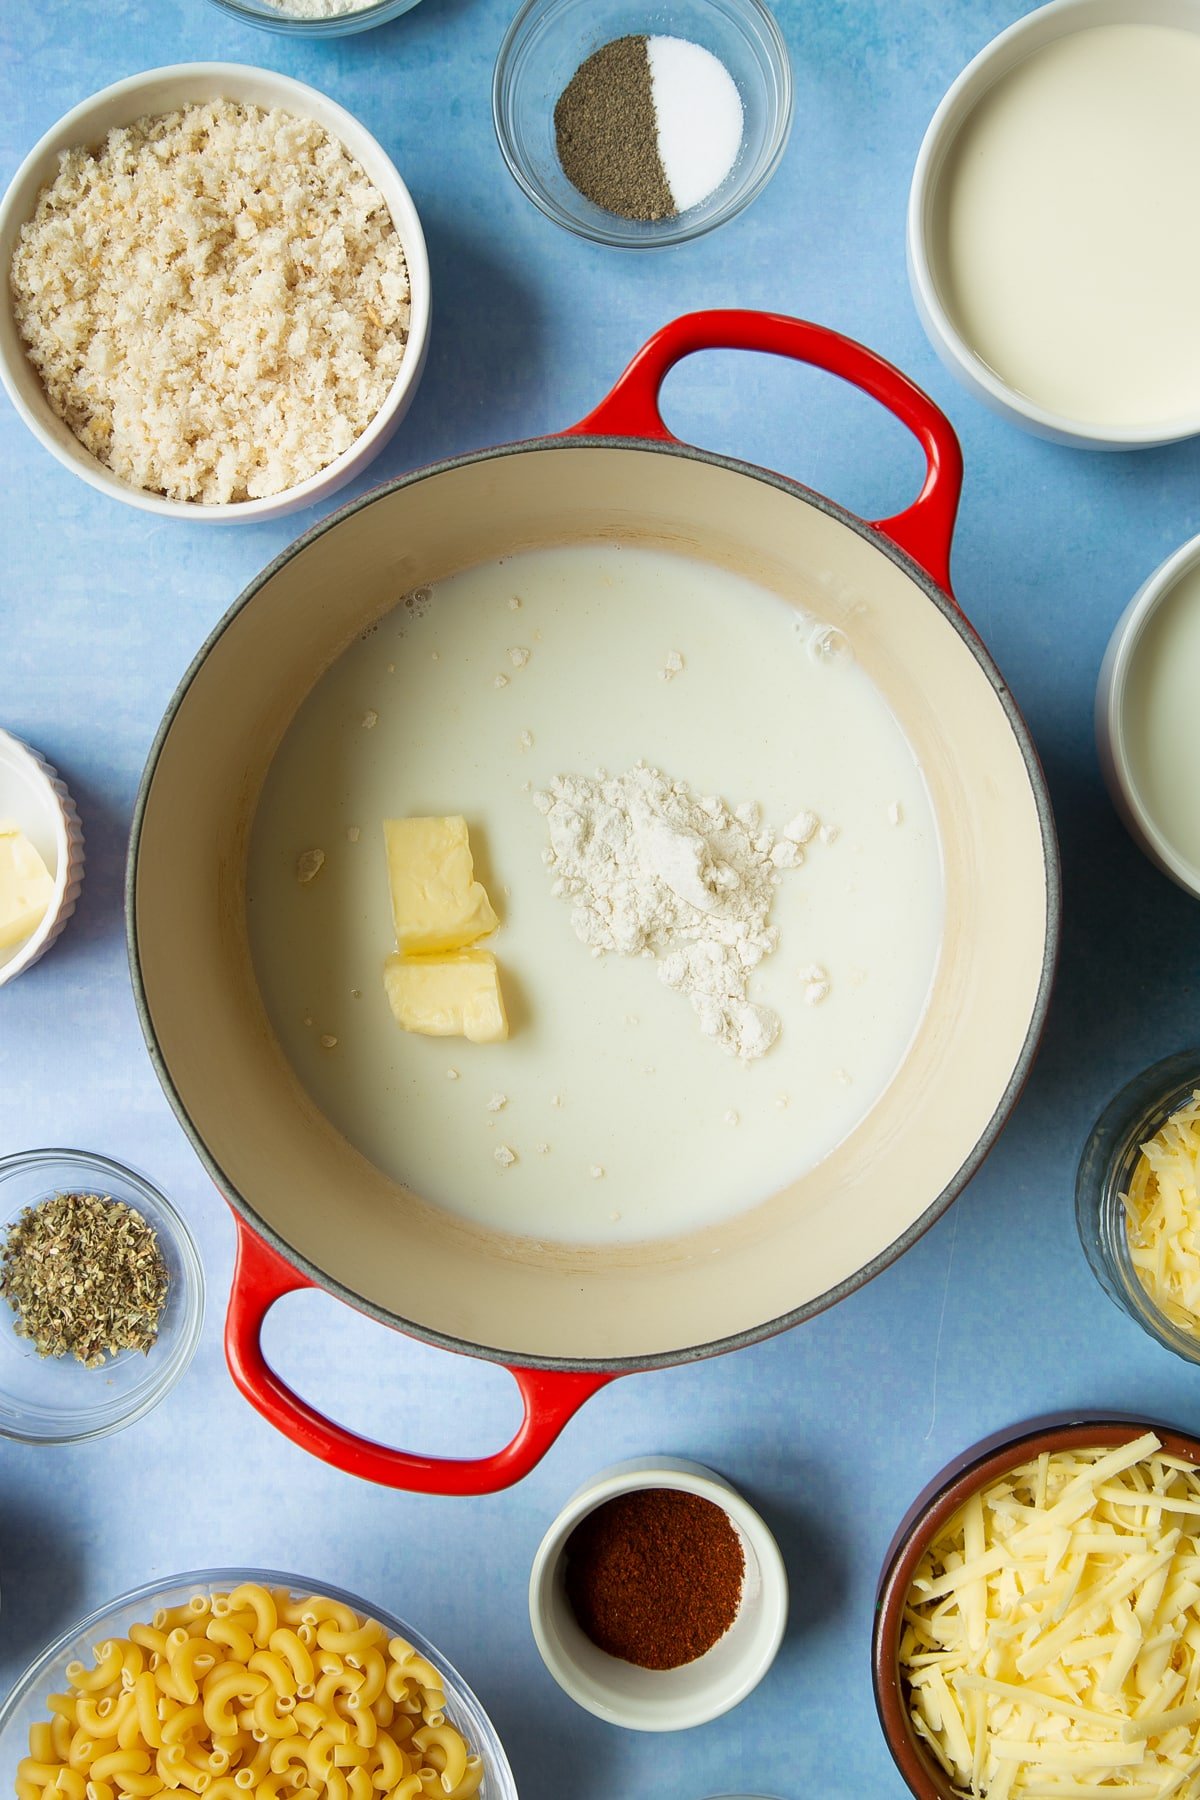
1051,1644
1162,1217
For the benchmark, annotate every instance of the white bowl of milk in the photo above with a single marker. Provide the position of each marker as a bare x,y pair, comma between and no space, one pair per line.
1048,252
1147,724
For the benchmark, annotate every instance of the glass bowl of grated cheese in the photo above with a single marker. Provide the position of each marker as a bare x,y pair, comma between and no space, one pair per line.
1137,1202
1035,1622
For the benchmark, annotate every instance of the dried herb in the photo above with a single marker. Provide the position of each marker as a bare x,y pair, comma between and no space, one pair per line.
85,1276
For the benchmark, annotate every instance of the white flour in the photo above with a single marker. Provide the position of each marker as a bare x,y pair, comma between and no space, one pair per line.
651,870
318,9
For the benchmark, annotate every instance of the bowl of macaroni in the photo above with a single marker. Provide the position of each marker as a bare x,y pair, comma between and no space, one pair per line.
228,1682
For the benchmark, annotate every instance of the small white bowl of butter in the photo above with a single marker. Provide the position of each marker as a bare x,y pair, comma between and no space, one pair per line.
41,856
1147,721
1049,249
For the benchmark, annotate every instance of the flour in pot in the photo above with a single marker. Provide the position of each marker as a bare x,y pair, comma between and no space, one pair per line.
650,870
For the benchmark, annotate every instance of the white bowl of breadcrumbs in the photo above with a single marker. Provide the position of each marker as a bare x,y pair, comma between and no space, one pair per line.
216,293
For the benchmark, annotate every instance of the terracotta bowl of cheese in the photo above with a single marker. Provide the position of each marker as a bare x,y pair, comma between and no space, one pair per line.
930,1517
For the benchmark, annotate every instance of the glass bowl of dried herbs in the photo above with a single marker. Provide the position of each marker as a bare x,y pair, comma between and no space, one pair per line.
642,125
101,1296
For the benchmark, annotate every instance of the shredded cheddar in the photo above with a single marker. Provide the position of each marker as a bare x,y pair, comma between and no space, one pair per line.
1050,1636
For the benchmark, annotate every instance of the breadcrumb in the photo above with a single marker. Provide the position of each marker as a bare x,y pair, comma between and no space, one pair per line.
216,300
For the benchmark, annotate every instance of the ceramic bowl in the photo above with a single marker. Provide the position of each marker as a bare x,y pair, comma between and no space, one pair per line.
269,18
1116,727
929,1514
55,1400
925,221
660,1699
33,797
26,1704
164,90
549,39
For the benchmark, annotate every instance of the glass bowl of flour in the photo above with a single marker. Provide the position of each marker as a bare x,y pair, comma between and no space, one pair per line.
315,18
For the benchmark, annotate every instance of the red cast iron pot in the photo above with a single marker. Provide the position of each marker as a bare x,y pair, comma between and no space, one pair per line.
310,1210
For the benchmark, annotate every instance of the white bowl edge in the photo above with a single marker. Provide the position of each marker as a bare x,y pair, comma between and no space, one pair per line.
68,850
1110,720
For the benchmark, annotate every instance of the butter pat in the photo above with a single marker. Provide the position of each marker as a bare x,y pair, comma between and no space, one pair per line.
456,994
26,886
437,904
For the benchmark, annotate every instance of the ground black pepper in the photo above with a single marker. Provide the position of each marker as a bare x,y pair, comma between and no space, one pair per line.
606,132
655,1576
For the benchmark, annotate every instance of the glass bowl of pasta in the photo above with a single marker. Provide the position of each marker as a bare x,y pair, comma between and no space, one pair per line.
243,1684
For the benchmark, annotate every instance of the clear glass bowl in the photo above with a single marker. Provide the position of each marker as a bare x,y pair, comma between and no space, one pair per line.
54,1399
269,18
27,1702
1105,1169
546,43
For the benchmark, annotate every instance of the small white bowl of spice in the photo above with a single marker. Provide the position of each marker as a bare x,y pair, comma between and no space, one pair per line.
658,1598
101,1296
218,293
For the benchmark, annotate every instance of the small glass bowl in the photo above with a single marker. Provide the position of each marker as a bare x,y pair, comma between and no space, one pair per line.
27,1702
1105,1169
269,18
54,1399
546,43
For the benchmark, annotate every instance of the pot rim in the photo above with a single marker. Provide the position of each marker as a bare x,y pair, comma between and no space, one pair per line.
967,1169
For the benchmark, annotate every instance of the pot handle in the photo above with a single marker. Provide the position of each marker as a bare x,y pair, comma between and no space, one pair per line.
551,1397
923,530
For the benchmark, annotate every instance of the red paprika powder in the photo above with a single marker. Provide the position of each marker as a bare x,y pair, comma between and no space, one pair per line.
655,1576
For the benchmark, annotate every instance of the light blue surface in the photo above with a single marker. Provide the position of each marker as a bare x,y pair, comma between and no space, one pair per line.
994,1316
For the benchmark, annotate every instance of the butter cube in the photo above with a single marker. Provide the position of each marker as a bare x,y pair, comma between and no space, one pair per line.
456,994
437,904
26,886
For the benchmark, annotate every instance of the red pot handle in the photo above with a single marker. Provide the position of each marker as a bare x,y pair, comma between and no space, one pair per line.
261,1276
923,530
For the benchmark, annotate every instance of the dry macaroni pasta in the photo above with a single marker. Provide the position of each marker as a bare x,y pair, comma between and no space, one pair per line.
251,1695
